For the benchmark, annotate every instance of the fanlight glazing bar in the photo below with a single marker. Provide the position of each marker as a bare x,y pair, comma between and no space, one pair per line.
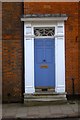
33,36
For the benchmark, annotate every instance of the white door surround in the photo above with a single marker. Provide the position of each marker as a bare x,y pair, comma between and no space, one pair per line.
59,52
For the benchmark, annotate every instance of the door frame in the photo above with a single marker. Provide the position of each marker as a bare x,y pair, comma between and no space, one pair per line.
59,54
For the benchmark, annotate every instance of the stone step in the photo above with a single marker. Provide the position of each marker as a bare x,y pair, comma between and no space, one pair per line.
44,98
45,93
43,102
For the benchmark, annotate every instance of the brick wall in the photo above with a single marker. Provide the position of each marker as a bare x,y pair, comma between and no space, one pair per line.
0,52
71,32
79,45
12,41
12,52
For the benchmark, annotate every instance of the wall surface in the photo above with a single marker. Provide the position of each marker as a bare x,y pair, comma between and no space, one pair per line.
0,52
12,52
79,47
12,42
71,35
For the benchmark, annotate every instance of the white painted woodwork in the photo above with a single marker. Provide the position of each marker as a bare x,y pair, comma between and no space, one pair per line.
59,53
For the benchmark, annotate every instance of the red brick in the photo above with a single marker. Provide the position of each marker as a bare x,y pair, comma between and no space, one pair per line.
12,34
12,52
71,32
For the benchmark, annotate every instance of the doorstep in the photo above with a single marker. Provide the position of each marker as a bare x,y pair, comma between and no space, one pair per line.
44,98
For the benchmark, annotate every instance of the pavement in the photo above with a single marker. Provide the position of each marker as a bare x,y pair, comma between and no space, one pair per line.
17,110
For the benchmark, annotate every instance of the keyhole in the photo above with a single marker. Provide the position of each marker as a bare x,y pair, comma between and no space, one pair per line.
44,60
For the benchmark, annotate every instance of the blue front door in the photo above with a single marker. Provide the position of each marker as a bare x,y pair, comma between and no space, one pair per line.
44,62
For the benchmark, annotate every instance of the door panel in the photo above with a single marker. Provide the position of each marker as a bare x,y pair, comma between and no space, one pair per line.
44,62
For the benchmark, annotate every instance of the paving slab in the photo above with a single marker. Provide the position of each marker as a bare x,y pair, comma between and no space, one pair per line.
49,111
